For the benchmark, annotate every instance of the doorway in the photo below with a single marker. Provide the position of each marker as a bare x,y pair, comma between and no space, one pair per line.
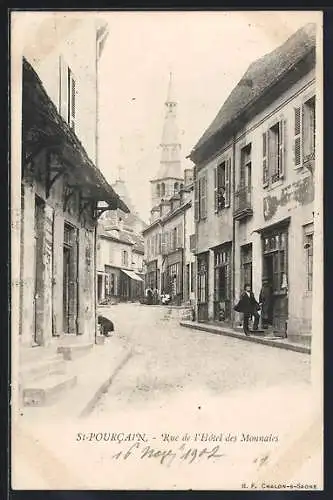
38,315
70,281
275,270
222,283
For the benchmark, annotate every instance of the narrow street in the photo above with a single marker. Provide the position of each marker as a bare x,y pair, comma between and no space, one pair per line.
170,361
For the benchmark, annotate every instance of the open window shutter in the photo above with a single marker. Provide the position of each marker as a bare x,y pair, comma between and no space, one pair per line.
204,196
196,200
227,182
265,158
73,99
180,235
215,189
282,133
297,136
63,88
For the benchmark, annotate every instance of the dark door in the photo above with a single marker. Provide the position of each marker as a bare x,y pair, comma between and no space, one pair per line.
222,284
38,268
66,291
70,280
275,269
202,290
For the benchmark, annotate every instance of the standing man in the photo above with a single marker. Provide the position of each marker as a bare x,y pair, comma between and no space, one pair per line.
249,307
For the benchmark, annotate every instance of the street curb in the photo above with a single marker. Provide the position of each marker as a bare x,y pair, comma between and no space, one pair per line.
89,407
228,333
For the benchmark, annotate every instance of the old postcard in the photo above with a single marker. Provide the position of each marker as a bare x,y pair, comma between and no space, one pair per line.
167,250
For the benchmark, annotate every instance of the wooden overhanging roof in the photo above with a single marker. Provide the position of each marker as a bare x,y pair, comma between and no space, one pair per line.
44,128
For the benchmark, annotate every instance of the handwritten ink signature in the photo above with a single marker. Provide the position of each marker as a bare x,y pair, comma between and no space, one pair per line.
167,456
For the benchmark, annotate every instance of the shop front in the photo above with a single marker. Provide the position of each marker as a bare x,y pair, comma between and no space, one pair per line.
173,277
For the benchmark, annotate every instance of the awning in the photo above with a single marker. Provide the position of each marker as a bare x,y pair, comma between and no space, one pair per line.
44,127
132,275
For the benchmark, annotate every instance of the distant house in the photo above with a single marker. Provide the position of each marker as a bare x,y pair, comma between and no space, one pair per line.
120,253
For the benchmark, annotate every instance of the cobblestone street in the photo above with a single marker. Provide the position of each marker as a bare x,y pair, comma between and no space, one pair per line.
169,361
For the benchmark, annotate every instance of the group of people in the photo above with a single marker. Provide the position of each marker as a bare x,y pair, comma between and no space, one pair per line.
152,297
250,307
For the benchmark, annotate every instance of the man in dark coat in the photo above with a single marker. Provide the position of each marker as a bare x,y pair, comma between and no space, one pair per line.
249,307
266,303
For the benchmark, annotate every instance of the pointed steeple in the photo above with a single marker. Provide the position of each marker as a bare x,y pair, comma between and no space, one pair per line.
170,96
170,165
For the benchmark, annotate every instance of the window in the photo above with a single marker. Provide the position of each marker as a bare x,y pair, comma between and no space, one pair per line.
222,185
246,167
275,251
305,132
176,187
308,248
125,258
67,93
158,190
71,99
162,189
246,265
273,153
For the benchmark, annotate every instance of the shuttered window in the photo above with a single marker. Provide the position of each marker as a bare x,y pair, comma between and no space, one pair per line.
265,159
274,153
227,182
297,136
196,200
203,196
67,93
282,126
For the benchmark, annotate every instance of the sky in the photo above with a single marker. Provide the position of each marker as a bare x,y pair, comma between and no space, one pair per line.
207,52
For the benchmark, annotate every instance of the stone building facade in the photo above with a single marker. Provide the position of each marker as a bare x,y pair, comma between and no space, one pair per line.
254,190
61,189
63,194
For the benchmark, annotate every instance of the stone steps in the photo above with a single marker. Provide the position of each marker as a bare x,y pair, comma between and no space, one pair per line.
300,338
45,391
74,351
43,368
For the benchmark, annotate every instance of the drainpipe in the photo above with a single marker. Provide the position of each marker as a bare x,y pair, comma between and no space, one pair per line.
233,222
184,254
95,278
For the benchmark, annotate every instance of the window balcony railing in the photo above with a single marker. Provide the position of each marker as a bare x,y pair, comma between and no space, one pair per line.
243,202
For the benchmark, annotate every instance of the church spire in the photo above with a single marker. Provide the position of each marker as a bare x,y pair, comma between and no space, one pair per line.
170,165
170,96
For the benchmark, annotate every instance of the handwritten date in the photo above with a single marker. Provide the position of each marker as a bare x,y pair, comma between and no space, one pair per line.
167,456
